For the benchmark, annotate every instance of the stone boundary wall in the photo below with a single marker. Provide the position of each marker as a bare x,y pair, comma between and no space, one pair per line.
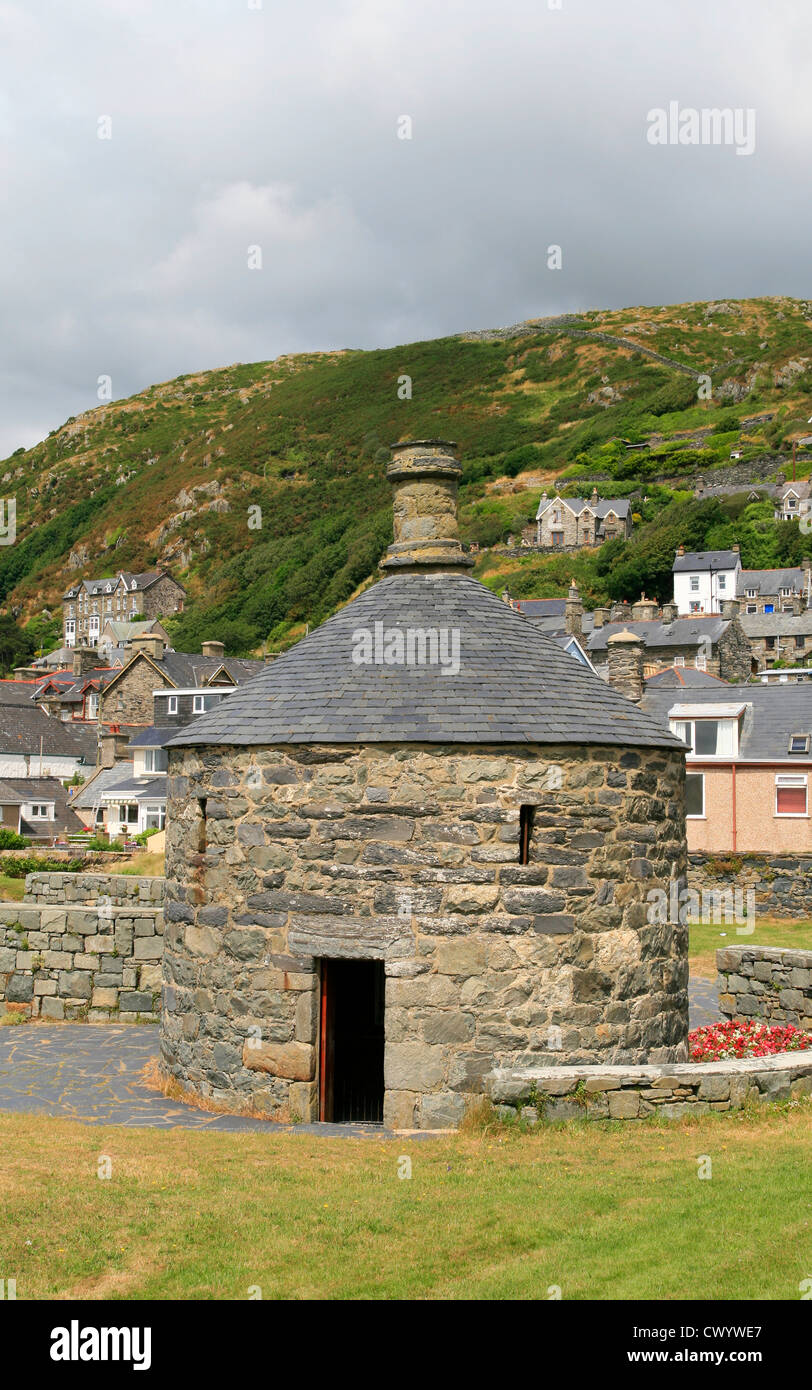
117,890
782,882
764,982
635,1092
99,964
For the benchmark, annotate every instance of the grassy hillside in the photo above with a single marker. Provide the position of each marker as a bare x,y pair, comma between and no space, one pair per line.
168,476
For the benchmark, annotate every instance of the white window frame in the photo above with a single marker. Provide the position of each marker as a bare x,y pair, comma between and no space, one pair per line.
172,704
787,781
198,704
694,583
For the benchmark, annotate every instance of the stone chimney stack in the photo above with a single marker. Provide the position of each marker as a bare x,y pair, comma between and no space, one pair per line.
594,498
215,650
680,551
619,612
425,476
730,607
84,659
107,749
645,610
735,548
574,612
669,612
625,651
151,643
599,616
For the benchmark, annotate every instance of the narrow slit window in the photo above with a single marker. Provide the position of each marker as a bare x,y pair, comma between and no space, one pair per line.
202,827
527,815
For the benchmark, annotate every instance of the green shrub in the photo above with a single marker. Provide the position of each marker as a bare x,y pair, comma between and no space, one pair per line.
9,839
18,868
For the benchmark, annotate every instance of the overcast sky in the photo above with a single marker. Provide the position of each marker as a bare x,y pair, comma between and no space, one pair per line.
275,124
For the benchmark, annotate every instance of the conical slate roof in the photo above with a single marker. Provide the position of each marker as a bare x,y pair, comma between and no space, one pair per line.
495,679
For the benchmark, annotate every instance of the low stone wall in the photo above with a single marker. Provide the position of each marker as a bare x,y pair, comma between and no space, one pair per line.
634,1092
764,982
97,963
116,890
782,883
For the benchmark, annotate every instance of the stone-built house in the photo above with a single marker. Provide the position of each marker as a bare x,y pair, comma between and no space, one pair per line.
117,635
779,637
749,765
128,697
570,523
415,848
775,591
122,597
793,502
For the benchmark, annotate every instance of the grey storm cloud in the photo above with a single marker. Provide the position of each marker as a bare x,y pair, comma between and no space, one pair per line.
240,124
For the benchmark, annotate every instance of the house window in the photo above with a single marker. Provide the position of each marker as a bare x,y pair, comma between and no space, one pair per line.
695,607
695,795
129,814
557,537
790,795
708,738
792,501
751,608
199,704
785,593
155,818
752,593
92,706
527,815
799,643
694,583
798,743
172,704
722,581
155,760
679,660
41,811
769,643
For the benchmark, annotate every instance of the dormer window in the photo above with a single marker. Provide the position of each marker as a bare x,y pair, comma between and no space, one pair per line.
798,743
752,593
133,585
172,704
199,705
711,731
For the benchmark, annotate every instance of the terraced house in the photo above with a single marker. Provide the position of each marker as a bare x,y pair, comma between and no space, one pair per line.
122,597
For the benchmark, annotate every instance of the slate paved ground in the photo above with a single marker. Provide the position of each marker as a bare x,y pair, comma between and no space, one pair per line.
92,1072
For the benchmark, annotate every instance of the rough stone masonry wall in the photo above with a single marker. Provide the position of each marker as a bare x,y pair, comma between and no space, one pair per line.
782,883
634,1093
119,890
410,855
83,962
763,982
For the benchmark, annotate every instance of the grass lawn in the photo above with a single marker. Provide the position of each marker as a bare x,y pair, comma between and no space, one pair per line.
11,889
706,939
613,1211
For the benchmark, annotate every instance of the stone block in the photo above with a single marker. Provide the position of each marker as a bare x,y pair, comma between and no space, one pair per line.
147,948
105,998
75,984
294,1061
135,1001
52,1008
624,1105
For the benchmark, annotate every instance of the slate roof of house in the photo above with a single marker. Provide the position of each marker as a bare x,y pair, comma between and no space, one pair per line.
770,581
136,789
507,689
682,632
21,730
99,586
17,692
103,780
777,624
126,630
680,677
706,560
772,714
621,506
190,670
153,737
541,607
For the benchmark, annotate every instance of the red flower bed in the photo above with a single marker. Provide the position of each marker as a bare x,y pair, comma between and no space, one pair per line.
745,1038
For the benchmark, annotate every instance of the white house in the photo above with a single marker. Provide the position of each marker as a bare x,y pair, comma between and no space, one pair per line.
704,579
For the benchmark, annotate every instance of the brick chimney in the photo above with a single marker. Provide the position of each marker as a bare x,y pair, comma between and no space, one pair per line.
84,659
215,650
625,652
574,612
680,551
425,475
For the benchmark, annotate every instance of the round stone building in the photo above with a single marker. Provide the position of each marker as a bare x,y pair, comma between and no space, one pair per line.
419,846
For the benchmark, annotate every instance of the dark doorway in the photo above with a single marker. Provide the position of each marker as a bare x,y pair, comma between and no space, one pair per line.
352,1038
